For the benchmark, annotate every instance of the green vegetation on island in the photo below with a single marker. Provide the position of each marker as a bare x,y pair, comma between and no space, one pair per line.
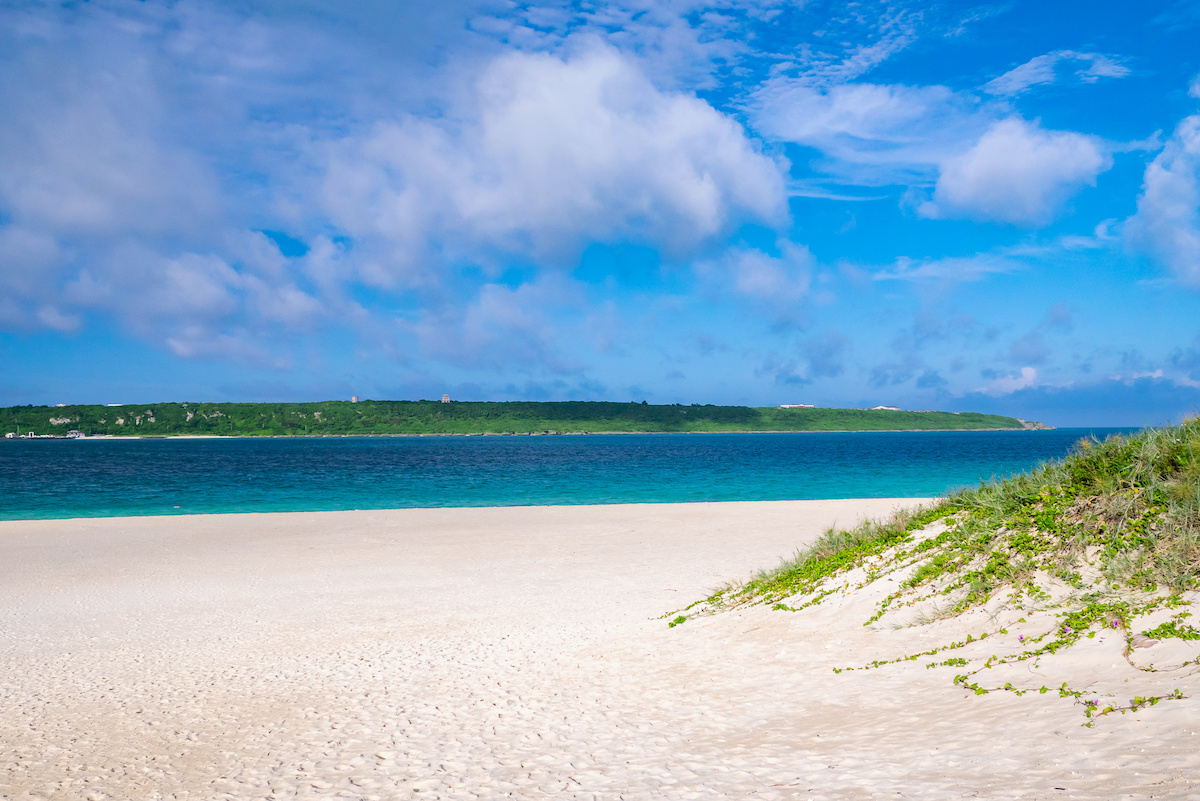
344,418
1105,540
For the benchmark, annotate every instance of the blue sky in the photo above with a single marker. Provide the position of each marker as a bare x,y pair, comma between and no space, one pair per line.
958,206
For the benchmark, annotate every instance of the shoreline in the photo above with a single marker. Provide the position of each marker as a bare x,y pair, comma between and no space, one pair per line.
481,507
535,434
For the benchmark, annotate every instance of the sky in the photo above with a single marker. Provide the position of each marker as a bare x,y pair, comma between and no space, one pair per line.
990,207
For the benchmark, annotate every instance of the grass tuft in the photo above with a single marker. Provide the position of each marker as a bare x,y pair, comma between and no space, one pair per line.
1113,518
1106,536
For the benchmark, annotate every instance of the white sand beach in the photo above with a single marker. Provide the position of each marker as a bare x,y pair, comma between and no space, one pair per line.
517,653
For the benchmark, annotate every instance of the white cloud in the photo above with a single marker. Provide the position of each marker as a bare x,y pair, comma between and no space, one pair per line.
197,304
548,155
986,163
1167,222
108,209
873,135
138,146
870,134
1194,87
32,267
88,153
958,269
1037,70
27,257
504,327
768,286
783,279
1044,69
112,198
682,43
688,43
142,144
1006,385
844,47
1017,173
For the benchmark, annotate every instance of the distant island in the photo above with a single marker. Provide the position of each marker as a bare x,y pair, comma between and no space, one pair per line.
368,417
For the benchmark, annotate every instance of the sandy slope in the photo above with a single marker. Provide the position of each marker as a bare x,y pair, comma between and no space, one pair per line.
464,653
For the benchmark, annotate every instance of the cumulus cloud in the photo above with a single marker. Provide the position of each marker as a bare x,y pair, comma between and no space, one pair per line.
108,207
548,155
201,305
1167,222
779,279
982,162
1008,384
1017,173
504,327
29,261
94,151
159,139
766,285
1089,68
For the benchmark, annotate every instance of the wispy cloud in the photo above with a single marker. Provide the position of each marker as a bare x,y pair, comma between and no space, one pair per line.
869,134
955,269
1045,69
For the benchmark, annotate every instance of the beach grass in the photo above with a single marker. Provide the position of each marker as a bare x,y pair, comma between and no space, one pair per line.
1106,539
1127,507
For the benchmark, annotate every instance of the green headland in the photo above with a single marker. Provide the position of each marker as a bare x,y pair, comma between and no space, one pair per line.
369,417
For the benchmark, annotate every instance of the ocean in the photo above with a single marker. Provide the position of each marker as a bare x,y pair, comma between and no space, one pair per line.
108,477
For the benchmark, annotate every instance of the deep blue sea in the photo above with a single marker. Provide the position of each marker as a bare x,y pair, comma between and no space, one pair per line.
104,477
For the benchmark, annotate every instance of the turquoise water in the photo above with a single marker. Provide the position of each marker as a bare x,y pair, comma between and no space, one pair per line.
97,478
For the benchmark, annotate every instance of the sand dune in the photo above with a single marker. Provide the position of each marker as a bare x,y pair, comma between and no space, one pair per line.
515,652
